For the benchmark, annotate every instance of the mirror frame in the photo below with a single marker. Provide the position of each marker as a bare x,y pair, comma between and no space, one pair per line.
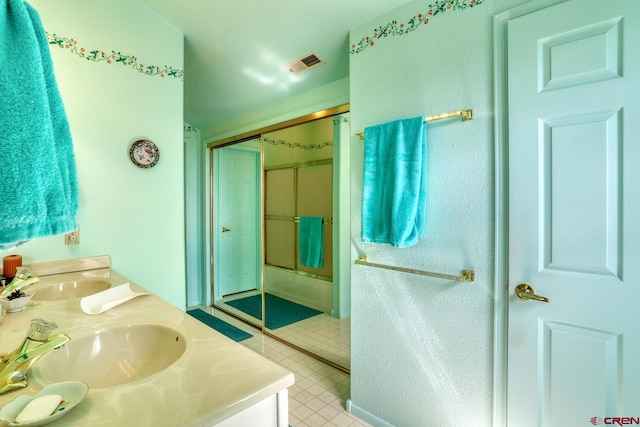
278,126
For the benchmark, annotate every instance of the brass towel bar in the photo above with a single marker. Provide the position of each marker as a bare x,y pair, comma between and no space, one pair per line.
465,114
294,218
467,275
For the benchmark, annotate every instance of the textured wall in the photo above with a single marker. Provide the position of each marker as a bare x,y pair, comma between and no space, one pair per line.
422,347
132,214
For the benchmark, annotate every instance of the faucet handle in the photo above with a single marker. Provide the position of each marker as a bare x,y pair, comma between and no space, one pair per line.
40,329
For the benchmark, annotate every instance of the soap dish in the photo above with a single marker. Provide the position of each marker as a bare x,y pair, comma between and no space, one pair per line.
72,393
15,305
106,300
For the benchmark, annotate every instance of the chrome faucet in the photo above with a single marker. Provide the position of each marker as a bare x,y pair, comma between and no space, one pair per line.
15,365
22,278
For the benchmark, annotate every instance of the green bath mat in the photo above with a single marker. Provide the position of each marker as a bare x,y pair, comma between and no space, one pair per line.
280,312
221,326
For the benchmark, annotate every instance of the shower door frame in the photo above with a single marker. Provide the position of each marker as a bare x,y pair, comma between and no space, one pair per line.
296,167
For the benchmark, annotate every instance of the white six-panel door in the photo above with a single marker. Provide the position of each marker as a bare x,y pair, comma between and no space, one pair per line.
237,222
574,214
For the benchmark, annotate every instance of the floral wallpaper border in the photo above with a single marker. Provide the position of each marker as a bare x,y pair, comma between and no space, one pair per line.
114,57
320,146
342,118
337,120
394,28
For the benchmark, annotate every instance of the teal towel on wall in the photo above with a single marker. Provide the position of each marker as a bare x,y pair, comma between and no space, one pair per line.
394,186
311,241
38,184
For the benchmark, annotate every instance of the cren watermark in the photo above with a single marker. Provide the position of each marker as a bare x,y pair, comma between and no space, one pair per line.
617,421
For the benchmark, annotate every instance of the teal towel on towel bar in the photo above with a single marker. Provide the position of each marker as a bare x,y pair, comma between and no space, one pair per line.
38,184
394,186
311,241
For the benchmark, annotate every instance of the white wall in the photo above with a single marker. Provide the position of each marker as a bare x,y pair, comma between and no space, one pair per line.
422,347
134,215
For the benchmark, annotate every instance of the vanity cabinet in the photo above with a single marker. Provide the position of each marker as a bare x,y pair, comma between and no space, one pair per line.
270,412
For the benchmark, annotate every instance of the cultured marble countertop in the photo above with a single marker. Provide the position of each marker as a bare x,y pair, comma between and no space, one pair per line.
214,379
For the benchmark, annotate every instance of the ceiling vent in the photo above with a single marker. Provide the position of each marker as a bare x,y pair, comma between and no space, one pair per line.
304,63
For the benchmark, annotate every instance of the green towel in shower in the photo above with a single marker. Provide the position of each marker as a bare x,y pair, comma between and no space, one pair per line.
311,241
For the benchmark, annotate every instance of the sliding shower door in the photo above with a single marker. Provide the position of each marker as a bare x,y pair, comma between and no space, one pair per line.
293,192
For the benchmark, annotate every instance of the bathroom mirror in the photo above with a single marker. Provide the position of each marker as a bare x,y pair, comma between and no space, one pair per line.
280,232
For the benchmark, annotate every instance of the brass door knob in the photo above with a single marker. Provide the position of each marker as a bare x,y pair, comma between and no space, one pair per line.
524,291
225,229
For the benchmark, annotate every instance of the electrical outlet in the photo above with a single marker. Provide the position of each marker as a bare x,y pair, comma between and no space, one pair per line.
72,238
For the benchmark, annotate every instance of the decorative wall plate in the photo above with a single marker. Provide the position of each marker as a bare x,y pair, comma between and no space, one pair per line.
144,153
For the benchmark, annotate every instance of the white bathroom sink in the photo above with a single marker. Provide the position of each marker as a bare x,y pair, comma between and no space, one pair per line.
70,289
112,356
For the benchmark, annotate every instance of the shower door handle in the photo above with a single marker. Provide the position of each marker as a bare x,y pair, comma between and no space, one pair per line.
225,229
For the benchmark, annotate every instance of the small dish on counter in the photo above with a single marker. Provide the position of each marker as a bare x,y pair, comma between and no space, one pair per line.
106,300
72,393
15,305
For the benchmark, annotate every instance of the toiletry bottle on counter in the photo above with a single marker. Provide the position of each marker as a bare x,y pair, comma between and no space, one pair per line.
10,264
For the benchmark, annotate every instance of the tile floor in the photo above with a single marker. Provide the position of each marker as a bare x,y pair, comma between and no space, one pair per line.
323,335
318,397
